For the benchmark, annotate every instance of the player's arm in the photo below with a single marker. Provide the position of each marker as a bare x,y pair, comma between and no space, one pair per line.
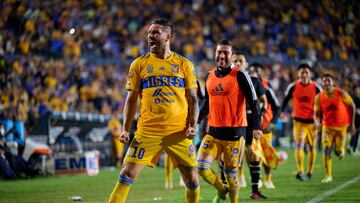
348,100
133,87
275,104
317,112
288,95
248,89
193,115
128,115
200,91
192,99
204,110
264,103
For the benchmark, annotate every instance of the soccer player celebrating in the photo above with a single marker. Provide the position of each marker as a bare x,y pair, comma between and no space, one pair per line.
227,91
331,104
303,92
166,85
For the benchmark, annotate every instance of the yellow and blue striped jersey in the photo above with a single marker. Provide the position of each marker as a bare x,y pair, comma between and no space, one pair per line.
161,84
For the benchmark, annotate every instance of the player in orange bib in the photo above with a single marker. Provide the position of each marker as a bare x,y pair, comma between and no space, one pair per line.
165,82
331,104
227,90
303,92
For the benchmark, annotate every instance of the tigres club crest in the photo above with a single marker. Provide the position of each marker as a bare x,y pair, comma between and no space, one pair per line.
149,68
174,68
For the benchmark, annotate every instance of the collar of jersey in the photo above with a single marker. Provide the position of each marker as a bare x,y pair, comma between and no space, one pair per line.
167,59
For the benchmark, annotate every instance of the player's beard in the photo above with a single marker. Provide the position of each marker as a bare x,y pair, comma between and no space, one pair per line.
156,46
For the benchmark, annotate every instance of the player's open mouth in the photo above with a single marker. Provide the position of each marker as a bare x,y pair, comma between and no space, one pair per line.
151,43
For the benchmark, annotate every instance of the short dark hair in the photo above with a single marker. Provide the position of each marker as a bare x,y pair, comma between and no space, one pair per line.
255,67
304,65
163,22
237,51
224,42
330,75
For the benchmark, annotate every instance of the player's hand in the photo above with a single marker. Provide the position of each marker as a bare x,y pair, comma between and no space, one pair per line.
124,137
352,129
268,128
190,133
257,134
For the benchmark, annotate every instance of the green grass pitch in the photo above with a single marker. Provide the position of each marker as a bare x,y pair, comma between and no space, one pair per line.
149,187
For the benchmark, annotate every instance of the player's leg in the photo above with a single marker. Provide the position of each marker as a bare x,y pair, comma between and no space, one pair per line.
254,165
128,174
311,140
183,155
232,150
192,186
168,172
354,142
254,168
221,166
299,139
340,141
242,181
143,151
207,153
327,141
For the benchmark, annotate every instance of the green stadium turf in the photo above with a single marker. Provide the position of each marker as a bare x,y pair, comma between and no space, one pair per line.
150,186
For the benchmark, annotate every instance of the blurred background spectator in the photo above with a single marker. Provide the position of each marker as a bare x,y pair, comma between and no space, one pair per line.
74,55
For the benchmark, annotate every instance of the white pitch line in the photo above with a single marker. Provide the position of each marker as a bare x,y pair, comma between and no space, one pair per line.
332,191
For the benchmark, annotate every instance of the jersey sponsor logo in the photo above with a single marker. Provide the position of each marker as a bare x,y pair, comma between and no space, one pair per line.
218,91
160,81
163,100
331,108
304,99
159,92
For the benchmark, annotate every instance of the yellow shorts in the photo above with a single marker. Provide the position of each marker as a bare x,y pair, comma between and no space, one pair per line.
146,150
214,147
334,136
305,132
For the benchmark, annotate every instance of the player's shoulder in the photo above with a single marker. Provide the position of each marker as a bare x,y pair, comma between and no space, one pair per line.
241,72
293,84
342,92
142,58
182,59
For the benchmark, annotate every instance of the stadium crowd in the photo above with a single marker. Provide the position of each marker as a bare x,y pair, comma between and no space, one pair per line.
47,47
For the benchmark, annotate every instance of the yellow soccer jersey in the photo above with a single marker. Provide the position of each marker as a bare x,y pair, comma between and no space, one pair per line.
161,84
